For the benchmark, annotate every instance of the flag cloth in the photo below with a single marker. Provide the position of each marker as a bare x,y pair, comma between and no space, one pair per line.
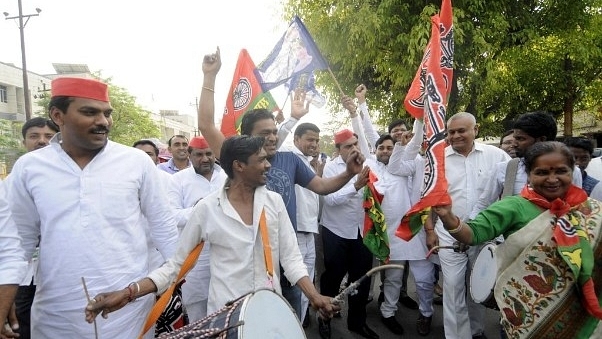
307,82
295,53
427,100
375,228
245,94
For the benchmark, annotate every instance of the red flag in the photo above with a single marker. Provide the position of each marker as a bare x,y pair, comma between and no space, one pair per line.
427,99
245,94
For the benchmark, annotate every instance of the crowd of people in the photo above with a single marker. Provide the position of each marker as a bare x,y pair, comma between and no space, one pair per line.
89,226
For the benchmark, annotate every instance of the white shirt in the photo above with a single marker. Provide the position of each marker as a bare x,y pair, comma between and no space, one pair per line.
495,185
12,257
402,178
186,188
91,224
237,258
594,168
308,202
466,179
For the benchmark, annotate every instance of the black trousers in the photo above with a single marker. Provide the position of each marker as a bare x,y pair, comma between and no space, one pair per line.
23,302
349,256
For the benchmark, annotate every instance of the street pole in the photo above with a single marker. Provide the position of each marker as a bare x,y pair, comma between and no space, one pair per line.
26,96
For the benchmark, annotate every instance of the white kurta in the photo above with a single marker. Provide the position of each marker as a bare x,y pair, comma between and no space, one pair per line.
237,260
12,257
186,188
91,223
405,169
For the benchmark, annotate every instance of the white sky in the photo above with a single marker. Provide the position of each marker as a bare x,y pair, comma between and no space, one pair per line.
153,49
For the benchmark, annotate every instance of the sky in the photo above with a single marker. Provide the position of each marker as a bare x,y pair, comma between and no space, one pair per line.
152,49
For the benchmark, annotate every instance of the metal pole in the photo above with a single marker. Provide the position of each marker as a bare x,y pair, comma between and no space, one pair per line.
24,68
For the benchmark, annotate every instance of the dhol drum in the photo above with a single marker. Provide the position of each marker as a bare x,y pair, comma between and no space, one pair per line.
257,315
483,276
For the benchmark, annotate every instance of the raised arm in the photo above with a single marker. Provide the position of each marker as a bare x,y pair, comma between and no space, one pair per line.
206,113
299,108
369,130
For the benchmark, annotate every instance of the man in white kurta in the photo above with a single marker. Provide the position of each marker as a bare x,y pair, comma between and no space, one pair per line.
306,138
13,265
186,188
86,198
468,165
403,173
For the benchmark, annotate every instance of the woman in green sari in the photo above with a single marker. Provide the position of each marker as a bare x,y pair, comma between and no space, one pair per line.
549,268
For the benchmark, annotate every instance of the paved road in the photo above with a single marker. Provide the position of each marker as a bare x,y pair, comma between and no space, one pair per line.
406,317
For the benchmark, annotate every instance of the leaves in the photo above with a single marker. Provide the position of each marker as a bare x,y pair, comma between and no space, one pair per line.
510,56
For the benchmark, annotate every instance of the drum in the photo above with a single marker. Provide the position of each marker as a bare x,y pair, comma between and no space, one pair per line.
257,315
483,277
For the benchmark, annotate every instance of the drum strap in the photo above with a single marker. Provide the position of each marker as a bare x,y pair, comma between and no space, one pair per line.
267,249
160,305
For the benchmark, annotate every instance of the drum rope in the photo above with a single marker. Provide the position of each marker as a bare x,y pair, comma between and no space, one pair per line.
193,330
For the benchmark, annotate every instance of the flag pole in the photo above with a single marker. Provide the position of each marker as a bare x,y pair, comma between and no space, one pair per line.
335,81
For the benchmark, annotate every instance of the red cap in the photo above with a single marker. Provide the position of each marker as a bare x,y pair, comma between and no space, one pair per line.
342,136
81,88
198,142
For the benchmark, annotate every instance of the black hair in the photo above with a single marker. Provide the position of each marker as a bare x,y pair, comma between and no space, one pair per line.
507,133
537,124
239,147
304,127
583,143
251,117
61,103
38,122
383,138
147,142
176,136
545,147
396,123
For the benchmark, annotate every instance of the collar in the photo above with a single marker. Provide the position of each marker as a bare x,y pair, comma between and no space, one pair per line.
476,147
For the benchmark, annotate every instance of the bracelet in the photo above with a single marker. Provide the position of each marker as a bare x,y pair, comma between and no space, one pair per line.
209,89
458,227
429,229
132,295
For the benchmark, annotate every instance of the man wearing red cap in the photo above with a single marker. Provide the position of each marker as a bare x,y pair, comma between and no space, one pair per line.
85,198
186,188
286,168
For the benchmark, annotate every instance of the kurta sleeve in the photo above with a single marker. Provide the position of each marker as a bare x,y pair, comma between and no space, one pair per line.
176,200
156,209
13,265
191,236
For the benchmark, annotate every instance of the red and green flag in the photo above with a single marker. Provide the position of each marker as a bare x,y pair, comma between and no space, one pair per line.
375,228
427,100
245,94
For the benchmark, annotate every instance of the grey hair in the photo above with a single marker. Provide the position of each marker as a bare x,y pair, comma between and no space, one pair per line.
463,115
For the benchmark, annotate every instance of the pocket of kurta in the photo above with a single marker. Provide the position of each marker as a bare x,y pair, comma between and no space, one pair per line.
119,200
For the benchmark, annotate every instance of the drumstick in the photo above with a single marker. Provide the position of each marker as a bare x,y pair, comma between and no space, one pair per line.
88,297
353,286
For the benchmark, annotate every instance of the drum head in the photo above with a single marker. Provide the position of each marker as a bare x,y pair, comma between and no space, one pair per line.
268,315
483,275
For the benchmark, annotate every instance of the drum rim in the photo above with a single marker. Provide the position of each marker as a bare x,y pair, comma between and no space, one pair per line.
490,295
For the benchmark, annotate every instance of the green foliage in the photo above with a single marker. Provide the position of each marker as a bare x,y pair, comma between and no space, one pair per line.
510,56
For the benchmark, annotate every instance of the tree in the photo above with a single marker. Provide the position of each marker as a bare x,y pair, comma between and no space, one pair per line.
131,122
507,52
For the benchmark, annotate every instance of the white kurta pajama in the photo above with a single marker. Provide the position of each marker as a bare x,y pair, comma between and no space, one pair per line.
91,224
237,262
186,188
396,183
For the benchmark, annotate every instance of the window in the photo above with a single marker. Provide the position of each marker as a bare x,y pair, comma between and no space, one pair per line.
3,94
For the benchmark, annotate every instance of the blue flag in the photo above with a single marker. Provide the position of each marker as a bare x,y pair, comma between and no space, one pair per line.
295,54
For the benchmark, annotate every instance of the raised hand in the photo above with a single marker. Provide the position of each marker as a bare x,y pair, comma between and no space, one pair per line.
349,104
299,107
212,63
360,93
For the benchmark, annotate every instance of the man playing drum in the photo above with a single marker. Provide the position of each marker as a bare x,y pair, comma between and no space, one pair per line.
230,221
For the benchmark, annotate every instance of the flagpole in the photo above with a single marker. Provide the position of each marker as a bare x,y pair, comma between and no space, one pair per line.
335,81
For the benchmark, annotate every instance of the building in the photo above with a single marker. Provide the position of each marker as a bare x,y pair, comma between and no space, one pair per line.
12,100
